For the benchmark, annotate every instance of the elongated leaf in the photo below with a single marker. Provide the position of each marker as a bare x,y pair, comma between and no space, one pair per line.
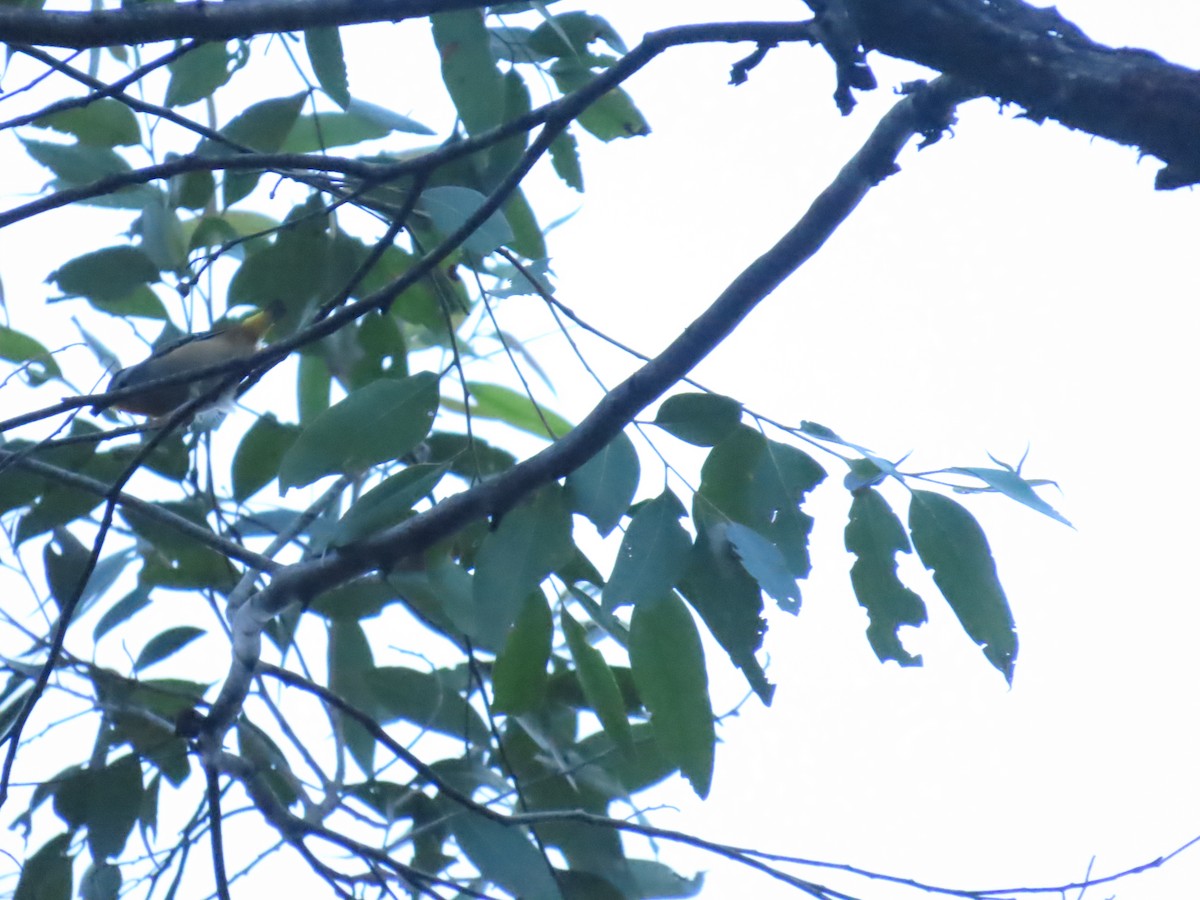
762,559
530,542
107,274
114,798
469,69
951,543
603,487
102,123
350,663
165,644
668,668
701,419
493,401
730,603
198,73
256,462
16,346
504,856
424,700
46,874
324,46
379,422
598,682
388,503
519,673
564,157
875,535
449,206
1011,484
653,555
76,163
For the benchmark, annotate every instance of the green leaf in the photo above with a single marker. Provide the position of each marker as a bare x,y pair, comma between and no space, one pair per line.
262,126
18,347
730,603
101,123
564,157
653,555
668,669
258,456
655,879
701,419
950,542
760,483
503,854
376,423
1011,484
569,34
76,163
197,74
762,559
270,764
165,644
875,535
114,798
101,881
426,701
350,663
468,68
360,122
613,115
108,274
449,206
528,239
324,46
493,401
519,673
387,504
46,874
121,611
530,542
604,486
162,234
598,682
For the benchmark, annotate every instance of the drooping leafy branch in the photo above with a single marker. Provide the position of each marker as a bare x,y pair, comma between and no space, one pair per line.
567,691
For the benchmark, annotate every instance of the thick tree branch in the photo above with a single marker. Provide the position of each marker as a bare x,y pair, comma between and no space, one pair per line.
1032,56
149,22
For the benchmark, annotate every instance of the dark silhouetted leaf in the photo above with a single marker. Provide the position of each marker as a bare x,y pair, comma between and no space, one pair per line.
256,462
530,542
603,487
951,544
875,535
376,423
107,274
102,123
165,644
598,682
701,419
519,673
653,554
324,46
668,668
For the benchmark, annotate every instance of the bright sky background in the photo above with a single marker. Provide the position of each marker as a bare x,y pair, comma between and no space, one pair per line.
1015,286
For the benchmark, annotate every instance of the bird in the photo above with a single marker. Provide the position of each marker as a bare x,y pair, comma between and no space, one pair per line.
231,341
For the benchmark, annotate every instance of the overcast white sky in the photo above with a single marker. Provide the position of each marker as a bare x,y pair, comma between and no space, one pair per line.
1014,286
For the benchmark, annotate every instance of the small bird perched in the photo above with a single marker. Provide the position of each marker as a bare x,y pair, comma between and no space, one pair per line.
234,340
